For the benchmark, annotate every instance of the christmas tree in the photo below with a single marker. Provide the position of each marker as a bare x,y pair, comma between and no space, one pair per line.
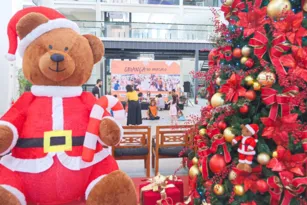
252,141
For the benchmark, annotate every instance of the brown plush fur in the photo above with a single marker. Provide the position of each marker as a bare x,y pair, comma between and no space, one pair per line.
6,138
109,132
79,58
114,189
7,198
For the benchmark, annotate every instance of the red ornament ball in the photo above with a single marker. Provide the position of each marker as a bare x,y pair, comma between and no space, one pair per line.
249,63
262,186
217,163
222,125
250,95
243,109
237,53
208,184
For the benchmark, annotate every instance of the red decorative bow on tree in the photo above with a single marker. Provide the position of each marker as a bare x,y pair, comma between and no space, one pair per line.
253,20
219,140
291,27
280,129
233,88
285,185
235,7
285,161
271,97
297,62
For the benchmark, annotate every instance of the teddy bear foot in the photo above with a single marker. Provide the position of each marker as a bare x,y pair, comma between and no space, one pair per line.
114,189
7,198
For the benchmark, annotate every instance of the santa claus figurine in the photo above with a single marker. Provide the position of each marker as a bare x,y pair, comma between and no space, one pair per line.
247,146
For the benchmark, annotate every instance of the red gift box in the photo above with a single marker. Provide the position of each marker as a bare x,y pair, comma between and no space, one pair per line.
150,197
179,184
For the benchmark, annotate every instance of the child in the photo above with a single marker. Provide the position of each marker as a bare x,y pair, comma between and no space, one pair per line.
152,112
173,111
160,102
180,116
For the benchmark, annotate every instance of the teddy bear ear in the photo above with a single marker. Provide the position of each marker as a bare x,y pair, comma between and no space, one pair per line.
97,47
28,23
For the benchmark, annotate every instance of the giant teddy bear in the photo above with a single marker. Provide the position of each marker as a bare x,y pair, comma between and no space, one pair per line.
45,137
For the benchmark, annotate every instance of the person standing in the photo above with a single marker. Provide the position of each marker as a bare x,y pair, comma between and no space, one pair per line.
96,89
134,107
173,111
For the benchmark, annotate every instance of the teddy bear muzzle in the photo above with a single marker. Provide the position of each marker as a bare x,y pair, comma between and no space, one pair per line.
56,65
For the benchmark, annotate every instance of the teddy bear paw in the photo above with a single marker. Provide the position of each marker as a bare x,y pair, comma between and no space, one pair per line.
7,198
114,189
109,132
6,138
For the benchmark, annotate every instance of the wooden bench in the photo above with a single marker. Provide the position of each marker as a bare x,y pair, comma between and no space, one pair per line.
135,144
170,142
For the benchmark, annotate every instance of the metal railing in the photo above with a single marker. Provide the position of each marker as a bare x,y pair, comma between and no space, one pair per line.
154,31
200,3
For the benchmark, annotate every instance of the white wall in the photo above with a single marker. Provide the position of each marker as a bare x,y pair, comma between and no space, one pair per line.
186,66
6,13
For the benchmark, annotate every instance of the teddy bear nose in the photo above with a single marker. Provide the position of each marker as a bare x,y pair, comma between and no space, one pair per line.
57,57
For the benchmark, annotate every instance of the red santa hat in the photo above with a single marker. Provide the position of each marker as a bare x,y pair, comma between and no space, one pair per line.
57,20
253,128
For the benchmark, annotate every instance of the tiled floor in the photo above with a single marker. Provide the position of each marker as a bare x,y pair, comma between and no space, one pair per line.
135,168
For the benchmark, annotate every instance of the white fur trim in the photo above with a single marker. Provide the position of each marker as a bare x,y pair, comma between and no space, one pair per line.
18,194
15,136
250,147
248,162
57,114
56,91
44,28
27,165
118,124
76,163
10,57
234,141
246,152
91,186
250,129
97,112
241,161
40,165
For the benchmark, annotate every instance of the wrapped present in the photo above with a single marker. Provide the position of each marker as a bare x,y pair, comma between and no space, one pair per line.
173,179
158,191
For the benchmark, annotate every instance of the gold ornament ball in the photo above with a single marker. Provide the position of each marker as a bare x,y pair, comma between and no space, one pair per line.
201,169
277,7
202,131
305,6
228,2
205,203
246,51
228,134
256,86
194,171
218,81
195,161
275,154
232,175
217,100
263,158
266,79
249,80
239,190
218,189
243,60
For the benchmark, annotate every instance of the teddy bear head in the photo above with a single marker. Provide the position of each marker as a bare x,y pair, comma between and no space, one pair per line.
245,131
59,57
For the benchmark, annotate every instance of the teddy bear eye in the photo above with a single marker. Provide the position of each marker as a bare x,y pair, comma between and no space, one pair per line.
66,49
50,46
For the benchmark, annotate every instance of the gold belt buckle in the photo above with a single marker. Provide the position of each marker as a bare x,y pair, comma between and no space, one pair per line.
57,141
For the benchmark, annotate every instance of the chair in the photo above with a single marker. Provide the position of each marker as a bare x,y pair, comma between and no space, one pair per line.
135,144
169,143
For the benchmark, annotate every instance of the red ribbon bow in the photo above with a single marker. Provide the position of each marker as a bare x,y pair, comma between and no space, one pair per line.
288,184
203,154
271,97
219,140
235,7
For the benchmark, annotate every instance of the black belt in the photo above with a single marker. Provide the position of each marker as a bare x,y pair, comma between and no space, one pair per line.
54,141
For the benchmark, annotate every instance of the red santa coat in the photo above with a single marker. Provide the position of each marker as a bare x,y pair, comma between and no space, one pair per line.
247,145
63,109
